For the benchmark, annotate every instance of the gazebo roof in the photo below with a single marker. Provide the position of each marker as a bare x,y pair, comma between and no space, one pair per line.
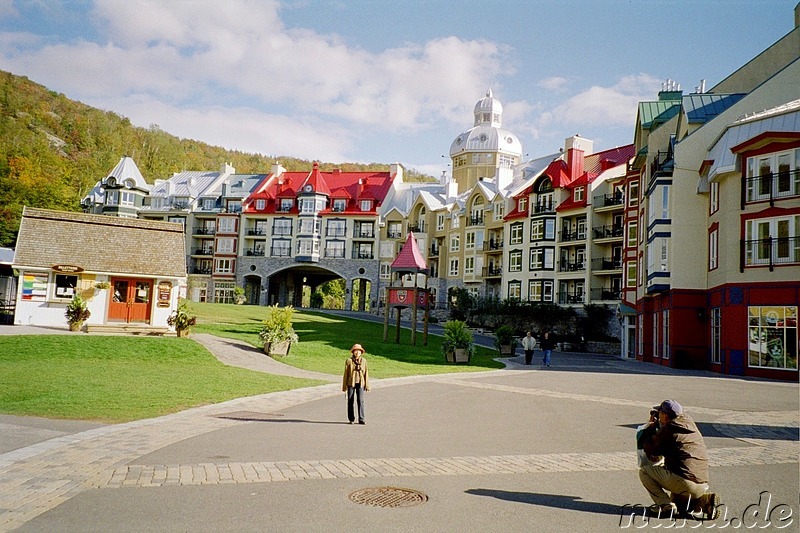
410,259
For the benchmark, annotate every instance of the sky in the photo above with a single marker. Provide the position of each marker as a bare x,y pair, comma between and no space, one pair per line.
381,80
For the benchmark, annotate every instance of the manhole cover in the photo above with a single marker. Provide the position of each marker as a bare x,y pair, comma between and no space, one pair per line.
388,497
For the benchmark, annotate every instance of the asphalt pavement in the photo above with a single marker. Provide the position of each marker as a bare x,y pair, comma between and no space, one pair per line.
525,448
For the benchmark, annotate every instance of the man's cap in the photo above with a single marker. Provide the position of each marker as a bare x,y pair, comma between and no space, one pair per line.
357,347
670,407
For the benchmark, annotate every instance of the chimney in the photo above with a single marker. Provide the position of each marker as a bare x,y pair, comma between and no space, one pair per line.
576,147
337,172
277,169
360,188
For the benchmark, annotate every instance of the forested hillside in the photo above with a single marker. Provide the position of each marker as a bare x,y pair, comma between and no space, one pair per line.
53,150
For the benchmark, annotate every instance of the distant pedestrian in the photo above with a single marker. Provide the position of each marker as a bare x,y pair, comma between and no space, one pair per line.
548,342
355,383
528,344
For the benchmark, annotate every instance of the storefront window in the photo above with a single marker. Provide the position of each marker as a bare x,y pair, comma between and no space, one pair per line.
65,285
772,337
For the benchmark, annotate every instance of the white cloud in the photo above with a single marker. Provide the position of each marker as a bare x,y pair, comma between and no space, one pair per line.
553,83
604,106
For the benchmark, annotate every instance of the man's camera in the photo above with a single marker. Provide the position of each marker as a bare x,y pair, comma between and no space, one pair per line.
654,413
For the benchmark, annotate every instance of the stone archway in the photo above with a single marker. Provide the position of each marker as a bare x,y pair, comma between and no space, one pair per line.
252,289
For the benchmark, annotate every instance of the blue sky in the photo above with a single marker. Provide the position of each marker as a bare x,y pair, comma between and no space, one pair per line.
381,80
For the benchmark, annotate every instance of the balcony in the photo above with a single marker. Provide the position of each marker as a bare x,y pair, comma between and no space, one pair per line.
335,232
361,254
206,271
772,185
771,252
204,231
282,232
364,233
491,272
571,266
567,298
607,232
257,232
545,207
606,294
608,200
418,228
606,263
394,234
203,251
493,245
475,221
255,252
571,236
434,251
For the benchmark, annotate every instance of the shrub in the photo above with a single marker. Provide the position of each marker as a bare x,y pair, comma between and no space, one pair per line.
277,327
180,318
77,312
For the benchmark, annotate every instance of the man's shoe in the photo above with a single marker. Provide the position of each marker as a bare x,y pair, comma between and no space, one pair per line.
710,506
666,510
351,422
362,422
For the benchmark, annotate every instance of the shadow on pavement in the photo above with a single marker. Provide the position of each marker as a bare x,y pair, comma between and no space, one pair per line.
743,431
572,503
293,420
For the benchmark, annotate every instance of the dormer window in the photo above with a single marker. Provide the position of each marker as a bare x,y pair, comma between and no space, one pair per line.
522,203
339,205
129,183
261,203
208,204
111,182
286,204
366,205
577,195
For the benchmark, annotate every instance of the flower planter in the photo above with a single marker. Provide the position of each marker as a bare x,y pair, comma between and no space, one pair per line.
182,332
75,326
277,349
460,355
507,349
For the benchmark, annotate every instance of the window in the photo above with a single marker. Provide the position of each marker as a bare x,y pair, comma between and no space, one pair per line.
281,248
261,203
665,335
366,205
506,161
656,345
577,195
307,247
630,273
772,241
286,204
282,226
515,261
453,268
514,290
633,194
334,249
632,234
364,230
516,233
395,230
713,249
499,210
65,286
542,259
126,198
440,221
469,265
336,228
226,225
455,221
522,203
362,250
455,243
716,343
665,202
308,226
178,220
713,198
339,204
308,205
156,202
547,291
225,245
773,175
223,266
534,291
772,336
223,292
581,232
210,203
386,271
112,197
234,206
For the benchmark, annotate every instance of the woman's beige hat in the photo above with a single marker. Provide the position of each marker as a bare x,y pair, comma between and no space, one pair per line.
357,347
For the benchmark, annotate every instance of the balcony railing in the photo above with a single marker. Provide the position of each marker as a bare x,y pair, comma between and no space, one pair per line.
257,231
394,234
363,255
280,251
205,231
417,228
606,263
771,252
492,272
567,297
571,266
771,186
255,252
607,232
569,236
546,207
434,251
364,233
475,221
608,200
203,251
336,232
492,245
200,270
282,231
606,294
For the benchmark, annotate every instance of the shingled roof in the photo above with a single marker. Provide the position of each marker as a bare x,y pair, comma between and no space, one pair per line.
410,258
99,243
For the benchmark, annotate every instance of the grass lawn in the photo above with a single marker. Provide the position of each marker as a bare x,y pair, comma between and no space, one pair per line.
325,342
118,379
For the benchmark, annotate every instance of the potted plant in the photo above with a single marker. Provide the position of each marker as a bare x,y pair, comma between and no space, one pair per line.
277,332
77,313
238,295
182,320
457,345
505,340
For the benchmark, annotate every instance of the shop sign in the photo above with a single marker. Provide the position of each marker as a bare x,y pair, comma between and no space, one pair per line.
67,269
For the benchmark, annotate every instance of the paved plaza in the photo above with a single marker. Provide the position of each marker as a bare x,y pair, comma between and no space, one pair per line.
518,449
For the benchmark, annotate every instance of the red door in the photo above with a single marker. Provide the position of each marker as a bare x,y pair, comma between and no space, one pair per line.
130,300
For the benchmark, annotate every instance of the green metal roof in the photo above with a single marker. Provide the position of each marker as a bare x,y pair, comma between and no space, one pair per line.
653,113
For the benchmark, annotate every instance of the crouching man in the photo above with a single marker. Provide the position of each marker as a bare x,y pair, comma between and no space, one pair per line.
673,435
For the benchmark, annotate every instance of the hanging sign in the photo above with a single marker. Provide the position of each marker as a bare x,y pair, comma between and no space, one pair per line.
164,294
69,269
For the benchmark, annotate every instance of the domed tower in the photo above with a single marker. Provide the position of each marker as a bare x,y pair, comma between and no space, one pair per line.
486,150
